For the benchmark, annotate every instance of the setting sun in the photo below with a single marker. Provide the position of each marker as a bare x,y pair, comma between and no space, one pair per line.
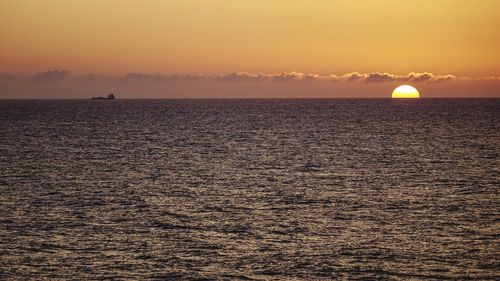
405,92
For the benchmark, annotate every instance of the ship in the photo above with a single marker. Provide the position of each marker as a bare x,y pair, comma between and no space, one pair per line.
111,96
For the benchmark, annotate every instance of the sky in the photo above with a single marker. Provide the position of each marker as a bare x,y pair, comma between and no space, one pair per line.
259,48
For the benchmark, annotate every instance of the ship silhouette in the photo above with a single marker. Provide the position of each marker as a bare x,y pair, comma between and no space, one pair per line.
111,96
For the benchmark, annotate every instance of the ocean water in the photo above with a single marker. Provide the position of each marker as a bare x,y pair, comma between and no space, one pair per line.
250,189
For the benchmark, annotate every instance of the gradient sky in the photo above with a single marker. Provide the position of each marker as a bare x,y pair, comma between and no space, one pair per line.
110,38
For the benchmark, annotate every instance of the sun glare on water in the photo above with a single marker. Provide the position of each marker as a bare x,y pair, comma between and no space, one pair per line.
405,92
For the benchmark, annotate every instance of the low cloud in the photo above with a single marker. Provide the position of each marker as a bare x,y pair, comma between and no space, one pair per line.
239,76
353,76
63,84
380,77
160,78
332,78
144,77
274,77
428,77
57,76
420,77
92,78
443,78
374,77
293,76
228,77
414,77
50,76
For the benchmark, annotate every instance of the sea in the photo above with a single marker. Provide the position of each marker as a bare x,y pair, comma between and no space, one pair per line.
250,189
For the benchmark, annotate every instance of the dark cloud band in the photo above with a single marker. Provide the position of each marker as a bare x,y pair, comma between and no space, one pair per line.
54,76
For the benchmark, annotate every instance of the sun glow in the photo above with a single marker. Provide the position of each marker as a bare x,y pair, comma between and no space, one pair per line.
405,92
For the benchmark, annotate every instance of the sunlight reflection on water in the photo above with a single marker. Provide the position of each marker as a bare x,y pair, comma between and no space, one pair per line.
262,189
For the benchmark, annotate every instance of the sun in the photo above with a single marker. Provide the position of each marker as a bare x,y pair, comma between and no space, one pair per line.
405,92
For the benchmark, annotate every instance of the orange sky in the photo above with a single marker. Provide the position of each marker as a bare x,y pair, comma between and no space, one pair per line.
115,37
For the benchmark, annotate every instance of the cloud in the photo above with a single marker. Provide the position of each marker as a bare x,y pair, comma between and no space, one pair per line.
62,84
443,78
273,77
90,78
428,77
144,77
374,77
291,76
380,77
420,77
239,76
353,76
160,78
414,77
57,76
332,78
50,76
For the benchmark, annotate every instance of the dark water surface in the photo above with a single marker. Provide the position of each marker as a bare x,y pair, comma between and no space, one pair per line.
250,189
